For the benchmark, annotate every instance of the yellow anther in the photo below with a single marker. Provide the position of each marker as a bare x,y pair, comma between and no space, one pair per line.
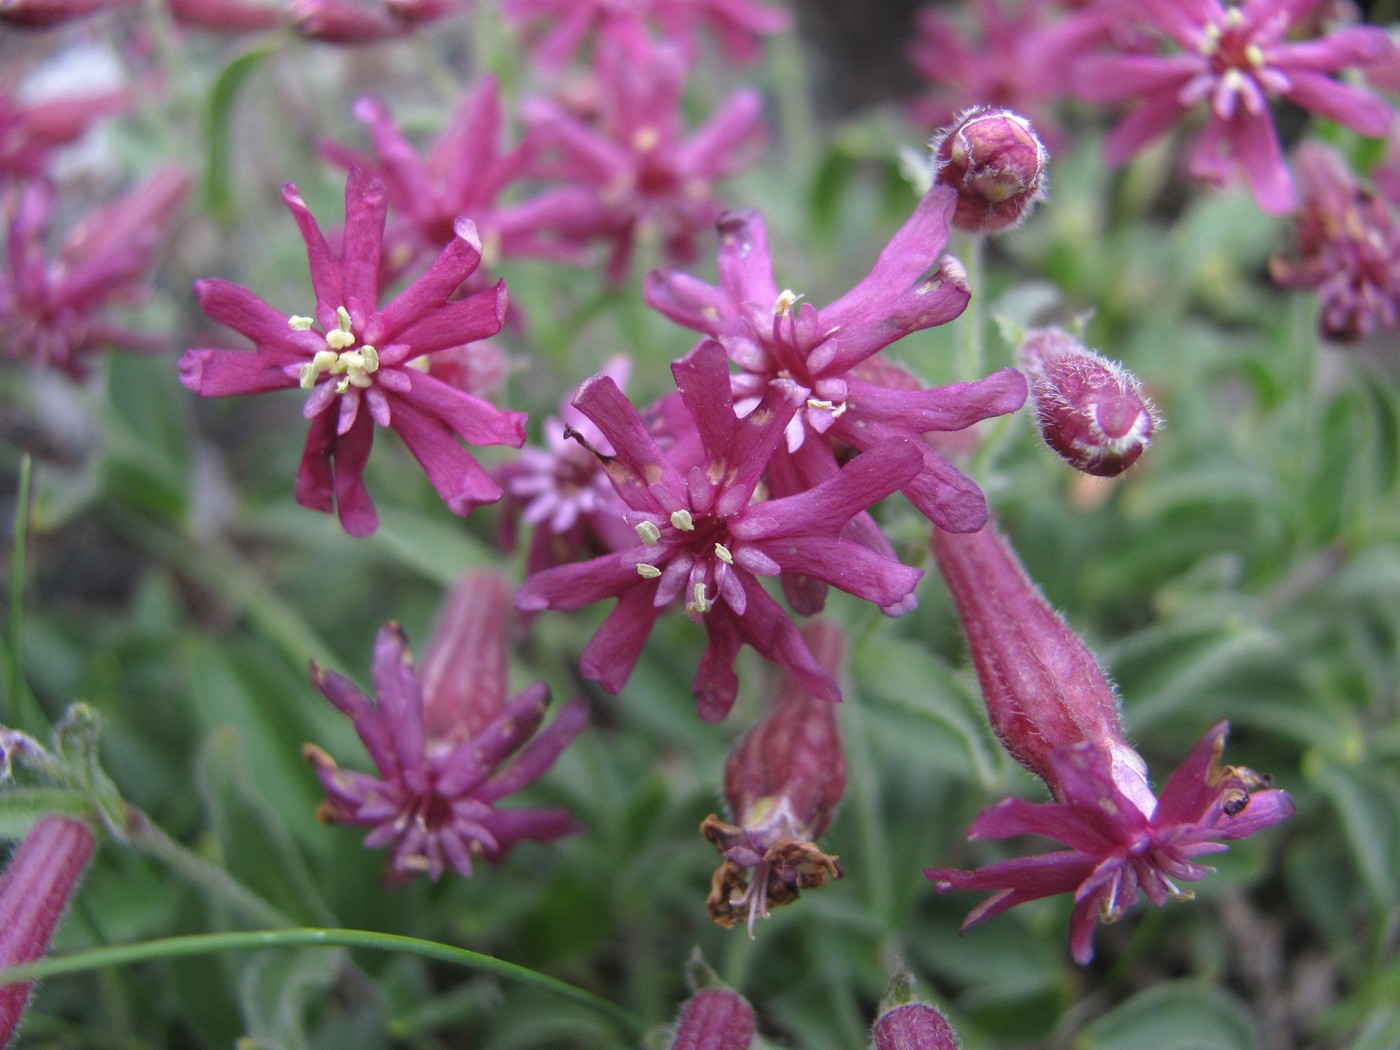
338,340
323,361
700,603
1254,54
646,139
682,520
647,532
647,572
722,553
787,299
297,323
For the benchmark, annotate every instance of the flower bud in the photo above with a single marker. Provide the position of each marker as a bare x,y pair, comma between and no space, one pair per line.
1090,410
714,1019
996,162
35,888
914,1026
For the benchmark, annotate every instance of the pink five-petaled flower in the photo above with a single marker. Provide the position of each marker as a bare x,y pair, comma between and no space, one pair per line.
1056,714
702,538
1234,59
1346,245
782,784
358,361
464,173
35,888
52,311
644,176
437,740
769,334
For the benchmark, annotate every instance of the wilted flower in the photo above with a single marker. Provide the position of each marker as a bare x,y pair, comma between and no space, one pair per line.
52,311
782,784
996,163
769,335
703,540
439,741
359,361
1090,410
1056,714
1234,59
645,176
1346,245
39,881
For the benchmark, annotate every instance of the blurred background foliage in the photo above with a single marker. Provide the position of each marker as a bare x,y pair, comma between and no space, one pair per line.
1248,568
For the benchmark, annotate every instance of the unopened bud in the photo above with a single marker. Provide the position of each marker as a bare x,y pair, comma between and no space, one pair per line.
1090,410
996,162
714,1019
914,1026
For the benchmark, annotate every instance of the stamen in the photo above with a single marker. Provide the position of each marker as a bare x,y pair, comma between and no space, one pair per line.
647,532
722,553
1254,54
700,604
647,572
787,299
322,362
342,337
297,323
682,520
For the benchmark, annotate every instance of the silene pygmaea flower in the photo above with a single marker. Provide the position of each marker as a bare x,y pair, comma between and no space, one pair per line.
714,1019
438,739
782,784
905,1023
37,884
996,162
1090,410
1057,715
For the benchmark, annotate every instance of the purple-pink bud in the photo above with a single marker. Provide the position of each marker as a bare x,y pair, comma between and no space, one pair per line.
1090,410
914,1026
1041,685
35,888
464,673
714,1019
996,162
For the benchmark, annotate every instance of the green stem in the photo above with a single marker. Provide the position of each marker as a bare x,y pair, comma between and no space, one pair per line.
211,943
970,250
20,696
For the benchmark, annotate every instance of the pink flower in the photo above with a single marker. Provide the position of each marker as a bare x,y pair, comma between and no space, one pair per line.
465,172
37,884
1346,245
53,311
1091,411
29,132
1054,711
438,741
714,1019
1234,59
704,541
770,334
782,784
40,14
644,176
358,361
914,1026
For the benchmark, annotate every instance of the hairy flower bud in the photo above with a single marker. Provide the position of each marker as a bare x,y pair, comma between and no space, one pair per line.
996,162
914,1026
714,1019
35,888
1090,410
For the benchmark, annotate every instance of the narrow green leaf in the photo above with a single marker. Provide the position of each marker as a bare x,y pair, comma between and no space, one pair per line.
1181,1015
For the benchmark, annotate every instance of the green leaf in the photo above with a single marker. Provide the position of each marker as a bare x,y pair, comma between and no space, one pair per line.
1180,1015
218,186
1367,804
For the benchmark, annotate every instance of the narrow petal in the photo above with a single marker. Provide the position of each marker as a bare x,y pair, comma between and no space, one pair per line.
454,264
579,584
223,373
1349,106
474,420
612,652
456,475
457,323
366,205
745,267
353,504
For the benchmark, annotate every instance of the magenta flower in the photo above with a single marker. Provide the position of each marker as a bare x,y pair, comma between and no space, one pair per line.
1090,410
914,1026
1234,59
464,173
1057,715
438,741
53,311
29,132
358,361
995,161
645,177
39,881
703,540
354,22
41,14
714,1019
769,334
782,784
1346,245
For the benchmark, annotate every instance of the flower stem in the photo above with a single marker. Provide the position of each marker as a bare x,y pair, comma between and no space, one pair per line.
970,251
211,943
18,690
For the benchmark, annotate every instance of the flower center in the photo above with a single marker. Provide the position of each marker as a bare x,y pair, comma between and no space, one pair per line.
355,365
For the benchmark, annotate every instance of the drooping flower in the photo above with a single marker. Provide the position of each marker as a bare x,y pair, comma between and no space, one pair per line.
440,741
704,540
1346,245
53,311
465,172
359,361
1090,410
39,881
1054,711
782,784
769,334
645,177
995,161
1234,59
